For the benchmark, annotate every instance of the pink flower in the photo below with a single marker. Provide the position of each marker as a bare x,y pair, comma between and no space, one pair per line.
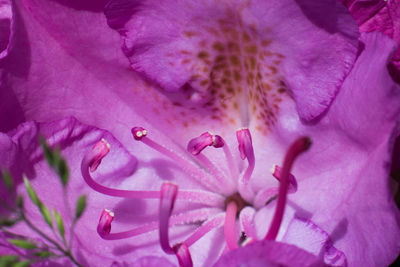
279,69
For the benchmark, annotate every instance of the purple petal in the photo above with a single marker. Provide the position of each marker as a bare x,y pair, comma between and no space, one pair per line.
6,27
244,50
268,253
308,236
346,174
379,16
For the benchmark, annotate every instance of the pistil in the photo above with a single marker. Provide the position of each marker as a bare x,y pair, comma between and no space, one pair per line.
299,146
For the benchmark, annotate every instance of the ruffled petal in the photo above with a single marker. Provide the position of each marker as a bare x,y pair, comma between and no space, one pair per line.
6,27
268,253
379,16
244,59
308,236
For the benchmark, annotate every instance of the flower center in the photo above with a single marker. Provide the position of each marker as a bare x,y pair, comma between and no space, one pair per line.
227,197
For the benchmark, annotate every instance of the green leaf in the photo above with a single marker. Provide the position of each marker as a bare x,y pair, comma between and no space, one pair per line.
32,194
21,264
7,222
60,223
7,179
22,243
7,260
48,153
63,172
46,215
80,206
43,254
20,202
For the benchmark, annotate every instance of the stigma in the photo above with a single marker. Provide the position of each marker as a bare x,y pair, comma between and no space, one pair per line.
226,201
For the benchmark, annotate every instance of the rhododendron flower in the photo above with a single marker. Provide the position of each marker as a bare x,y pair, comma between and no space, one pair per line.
216,95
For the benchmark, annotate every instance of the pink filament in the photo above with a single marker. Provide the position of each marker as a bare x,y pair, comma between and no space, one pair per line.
299,146
186,166
206,227
229,228
169,192
183,218
231,165
95,156
224,183
183,255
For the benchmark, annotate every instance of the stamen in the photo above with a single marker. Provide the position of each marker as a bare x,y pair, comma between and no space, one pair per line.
231,165
183,255
229,228
168,196
100,149
179,219
300,145
206,227
186,166
93,159
246,152
167,201
104,226
277,172
197,145
138,133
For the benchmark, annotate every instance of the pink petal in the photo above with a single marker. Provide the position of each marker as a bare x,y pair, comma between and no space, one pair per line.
244,50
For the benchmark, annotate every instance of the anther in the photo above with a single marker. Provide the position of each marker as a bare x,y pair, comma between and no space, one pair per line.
104,226
138,133
277,172
198,144
300,145
246,152
99,150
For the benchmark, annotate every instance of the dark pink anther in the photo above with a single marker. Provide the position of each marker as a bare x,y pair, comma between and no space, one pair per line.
245,144
138,133
277,172
100,150
197,144
246,152
218,141
299,146
104,226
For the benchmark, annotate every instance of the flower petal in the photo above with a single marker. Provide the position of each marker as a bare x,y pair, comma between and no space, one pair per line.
379,16
268,253
245,54
346,173
6,27
308,236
